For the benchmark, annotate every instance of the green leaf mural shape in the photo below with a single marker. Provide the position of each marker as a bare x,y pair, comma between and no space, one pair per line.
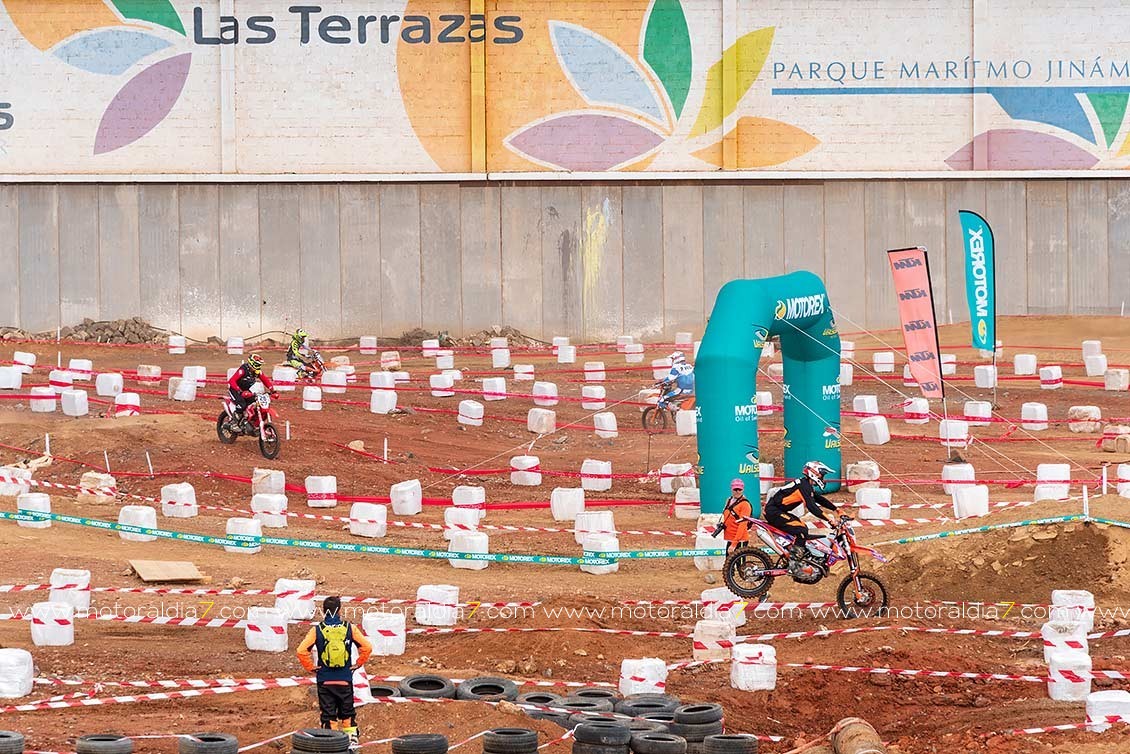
159,12
667,49
1110,108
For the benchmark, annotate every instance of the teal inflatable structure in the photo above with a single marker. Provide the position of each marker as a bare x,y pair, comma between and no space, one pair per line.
747,313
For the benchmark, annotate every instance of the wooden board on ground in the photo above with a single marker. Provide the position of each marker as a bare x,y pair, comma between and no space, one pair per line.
166,570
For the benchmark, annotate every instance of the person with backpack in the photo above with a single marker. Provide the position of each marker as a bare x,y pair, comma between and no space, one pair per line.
327,651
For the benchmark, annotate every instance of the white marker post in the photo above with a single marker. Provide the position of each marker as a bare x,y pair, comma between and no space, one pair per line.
288,430
149,461
47,445
106,457
386,450
1086,505
1105,480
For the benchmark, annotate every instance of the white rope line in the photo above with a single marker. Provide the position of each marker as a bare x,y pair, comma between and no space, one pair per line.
1020,426
899,390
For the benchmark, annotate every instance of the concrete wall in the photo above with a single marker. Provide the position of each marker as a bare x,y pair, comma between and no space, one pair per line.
589,261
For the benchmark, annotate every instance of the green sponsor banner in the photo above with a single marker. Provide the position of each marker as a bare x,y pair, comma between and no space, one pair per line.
980,279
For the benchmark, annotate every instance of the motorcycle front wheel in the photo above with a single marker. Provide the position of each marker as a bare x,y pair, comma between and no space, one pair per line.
744,572
224,430
269,442
871,598
654,419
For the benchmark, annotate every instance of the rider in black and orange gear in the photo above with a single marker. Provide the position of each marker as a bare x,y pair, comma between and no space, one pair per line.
789,502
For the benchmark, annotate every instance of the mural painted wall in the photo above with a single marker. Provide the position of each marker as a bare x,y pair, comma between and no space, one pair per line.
470,86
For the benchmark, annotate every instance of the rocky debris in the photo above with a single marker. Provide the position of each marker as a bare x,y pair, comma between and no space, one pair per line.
134,330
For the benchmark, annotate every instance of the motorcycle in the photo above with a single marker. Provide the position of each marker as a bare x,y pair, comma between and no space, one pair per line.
258,422
656,418
749,570
312,371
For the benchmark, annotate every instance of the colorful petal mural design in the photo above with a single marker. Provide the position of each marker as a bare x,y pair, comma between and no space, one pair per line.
666,48
47,24
584,141
601,73
1054,107
111,51
746,56
1110,109
159,12
142,103
761,142
1017,149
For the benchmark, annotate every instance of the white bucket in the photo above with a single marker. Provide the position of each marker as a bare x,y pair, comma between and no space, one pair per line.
368,520
311,398
71,587
34,502
566,503
597,543
471,413
265,630
407,497
179,501
596,476
295,598
437,605
321,491
1069,675
754,667
647,675
494,389
141,516
52,624
386,631
469,542
270,510
17,673
268,482
525,471
244,527
604,425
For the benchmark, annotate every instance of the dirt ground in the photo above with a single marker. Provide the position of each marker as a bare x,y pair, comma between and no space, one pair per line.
913,714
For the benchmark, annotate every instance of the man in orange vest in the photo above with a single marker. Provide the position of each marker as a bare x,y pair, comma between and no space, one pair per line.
333,641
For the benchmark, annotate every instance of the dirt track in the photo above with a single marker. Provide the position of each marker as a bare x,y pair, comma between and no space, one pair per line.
918,715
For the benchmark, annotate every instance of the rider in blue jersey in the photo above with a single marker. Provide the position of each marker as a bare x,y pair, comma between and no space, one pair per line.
679,382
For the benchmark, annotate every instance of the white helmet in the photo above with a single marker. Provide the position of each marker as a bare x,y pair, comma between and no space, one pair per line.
816,471
677,357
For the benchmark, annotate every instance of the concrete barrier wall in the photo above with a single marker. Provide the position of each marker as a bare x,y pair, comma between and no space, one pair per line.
589,261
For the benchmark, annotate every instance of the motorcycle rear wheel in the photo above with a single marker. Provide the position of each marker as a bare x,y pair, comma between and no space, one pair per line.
654,419
745,559
224,430
873,596
269,442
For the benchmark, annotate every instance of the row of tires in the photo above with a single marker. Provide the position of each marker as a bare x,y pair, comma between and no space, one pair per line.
112,743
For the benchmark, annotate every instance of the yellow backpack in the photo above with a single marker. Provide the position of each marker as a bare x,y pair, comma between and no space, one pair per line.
335,653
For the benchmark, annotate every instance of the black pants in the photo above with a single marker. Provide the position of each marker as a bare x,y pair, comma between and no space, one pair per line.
780,518
335,701
241,403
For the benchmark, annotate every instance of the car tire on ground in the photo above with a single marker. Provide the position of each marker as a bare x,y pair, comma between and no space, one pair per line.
637,707
11,742
427,687
487,689
103,743
658,743
580,747
420,743
207,743
383,690
596,692
574,704
540,698
510,741
696,733
319,740
646,726
603,733
730,744
697,714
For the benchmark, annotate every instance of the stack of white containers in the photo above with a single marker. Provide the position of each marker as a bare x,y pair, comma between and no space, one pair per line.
1068,656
